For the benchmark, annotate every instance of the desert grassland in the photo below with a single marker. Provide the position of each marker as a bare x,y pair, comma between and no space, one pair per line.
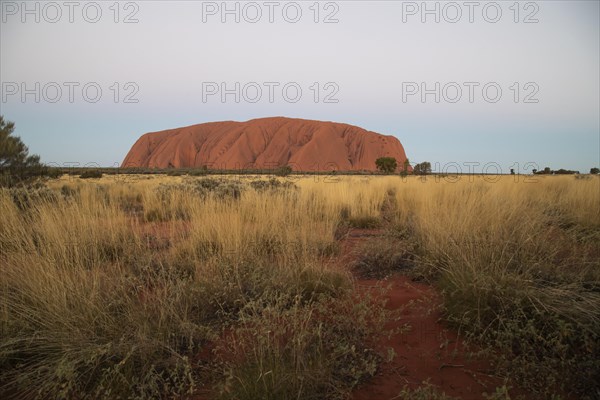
112,287
519,267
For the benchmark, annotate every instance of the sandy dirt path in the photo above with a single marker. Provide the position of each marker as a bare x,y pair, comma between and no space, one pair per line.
425,348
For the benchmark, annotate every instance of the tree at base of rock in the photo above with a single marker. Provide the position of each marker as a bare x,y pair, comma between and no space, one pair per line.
386,164
283,171
423,168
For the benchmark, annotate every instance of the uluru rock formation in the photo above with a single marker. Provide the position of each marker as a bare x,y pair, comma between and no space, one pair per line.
265,143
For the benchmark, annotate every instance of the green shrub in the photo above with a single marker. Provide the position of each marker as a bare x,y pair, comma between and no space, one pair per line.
285,348
283,171
200,172
271,184
91,174
380,258
386,164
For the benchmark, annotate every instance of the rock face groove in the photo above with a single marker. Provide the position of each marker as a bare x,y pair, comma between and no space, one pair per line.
265,143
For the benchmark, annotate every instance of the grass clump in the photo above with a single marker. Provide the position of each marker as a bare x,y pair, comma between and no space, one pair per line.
91,174
290,349
380,258
26,197
272,184
94,337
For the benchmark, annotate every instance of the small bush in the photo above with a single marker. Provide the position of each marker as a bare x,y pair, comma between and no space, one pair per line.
386,164
91,174
209,183
287,349
364,222
283,171
271,184
382,257
199,172
68,191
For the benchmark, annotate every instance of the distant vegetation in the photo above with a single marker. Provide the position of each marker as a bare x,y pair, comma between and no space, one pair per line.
548,171
283,171
92,173
405,168
423,168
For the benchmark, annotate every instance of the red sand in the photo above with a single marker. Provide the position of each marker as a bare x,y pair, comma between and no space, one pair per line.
429,351
267,143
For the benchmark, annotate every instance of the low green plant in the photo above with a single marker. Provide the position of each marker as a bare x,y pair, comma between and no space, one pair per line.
283,171
271,184
286,348
91,174
379,258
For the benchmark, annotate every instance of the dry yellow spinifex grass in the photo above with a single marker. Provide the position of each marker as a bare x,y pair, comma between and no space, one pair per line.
111,287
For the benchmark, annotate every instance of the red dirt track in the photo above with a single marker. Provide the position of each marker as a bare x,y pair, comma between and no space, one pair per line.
428,351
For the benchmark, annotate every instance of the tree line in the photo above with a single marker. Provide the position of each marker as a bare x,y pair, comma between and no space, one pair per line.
389,165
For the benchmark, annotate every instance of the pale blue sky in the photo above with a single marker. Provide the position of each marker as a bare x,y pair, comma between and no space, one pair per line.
373,51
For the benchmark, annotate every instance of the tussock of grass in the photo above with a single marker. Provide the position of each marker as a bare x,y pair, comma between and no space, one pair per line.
289,349
382,257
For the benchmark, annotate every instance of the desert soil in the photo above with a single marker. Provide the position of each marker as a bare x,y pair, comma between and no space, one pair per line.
426,351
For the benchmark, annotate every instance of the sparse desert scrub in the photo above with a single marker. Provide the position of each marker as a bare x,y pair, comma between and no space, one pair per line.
93,307
519,267
111,287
